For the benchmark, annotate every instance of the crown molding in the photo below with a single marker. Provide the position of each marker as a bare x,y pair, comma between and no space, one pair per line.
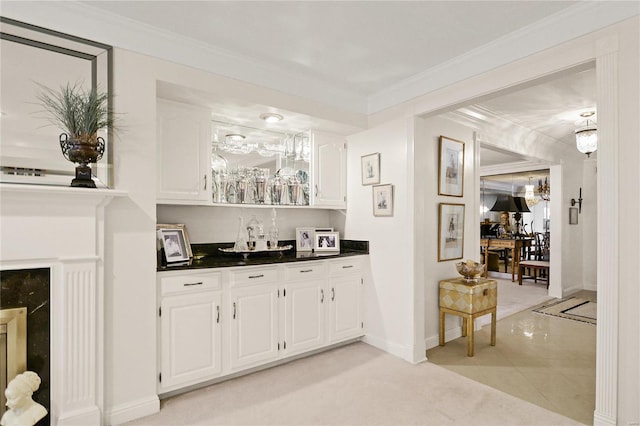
135,36
570,23
124,33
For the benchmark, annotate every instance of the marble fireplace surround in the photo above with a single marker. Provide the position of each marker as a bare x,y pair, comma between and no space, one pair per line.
62,229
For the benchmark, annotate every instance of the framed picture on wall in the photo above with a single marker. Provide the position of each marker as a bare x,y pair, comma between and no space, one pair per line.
370,169
451,167
383,200
450,232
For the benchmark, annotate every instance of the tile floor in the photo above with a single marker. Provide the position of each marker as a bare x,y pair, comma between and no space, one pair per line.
548,361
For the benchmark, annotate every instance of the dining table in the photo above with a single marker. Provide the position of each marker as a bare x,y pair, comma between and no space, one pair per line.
519,247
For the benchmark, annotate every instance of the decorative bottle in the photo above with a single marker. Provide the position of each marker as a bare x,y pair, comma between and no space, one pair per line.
241,239
273,231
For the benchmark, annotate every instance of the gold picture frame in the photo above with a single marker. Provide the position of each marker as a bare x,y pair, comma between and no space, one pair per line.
450,232
451,167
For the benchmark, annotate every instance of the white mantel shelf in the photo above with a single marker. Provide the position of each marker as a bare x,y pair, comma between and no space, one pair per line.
65,191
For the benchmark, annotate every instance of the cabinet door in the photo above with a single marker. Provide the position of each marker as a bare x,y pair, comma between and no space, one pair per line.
184,153
190,339
253,325
345,313
329,175
305,315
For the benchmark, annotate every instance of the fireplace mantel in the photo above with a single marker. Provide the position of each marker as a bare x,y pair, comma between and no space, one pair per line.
62,228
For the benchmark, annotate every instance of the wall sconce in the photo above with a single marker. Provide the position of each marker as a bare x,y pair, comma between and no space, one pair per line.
578,201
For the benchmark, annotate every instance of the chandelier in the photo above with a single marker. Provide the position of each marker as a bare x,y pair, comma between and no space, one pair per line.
544,190
529,195
587,136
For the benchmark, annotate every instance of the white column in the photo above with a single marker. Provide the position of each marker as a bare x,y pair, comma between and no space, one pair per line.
608,207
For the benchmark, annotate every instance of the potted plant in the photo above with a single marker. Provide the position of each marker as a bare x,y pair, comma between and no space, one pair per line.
80,113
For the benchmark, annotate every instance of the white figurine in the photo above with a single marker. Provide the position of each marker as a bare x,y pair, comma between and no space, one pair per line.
23,411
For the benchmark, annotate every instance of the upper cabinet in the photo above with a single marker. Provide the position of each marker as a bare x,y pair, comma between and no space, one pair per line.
329,176
184,154
203,161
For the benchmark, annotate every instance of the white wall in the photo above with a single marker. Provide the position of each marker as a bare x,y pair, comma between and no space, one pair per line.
428,132
389,301
211,224
588,220
130,281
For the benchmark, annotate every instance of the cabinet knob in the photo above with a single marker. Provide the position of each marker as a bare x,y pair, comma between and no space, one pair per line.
321,295
234,310
218,314
306,270
205,182
256,276
192,284
333,294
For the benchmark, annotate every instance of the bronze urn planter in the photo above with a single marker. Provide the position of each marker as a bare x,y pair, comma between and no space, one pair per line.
83,151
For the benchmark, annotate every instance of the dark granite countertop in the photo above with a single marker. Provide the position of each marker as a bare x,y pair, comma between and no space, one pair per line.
209,255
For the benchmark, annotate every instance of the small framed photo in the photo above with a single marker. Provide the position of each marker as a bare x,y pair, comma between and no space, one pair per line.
327,241
305,238
573,215
174,244
181,226
451,167
383,200
450,232
371,169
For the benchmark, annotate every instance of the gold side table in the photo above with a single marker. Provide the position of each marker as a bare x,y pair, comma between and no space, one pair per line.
468,300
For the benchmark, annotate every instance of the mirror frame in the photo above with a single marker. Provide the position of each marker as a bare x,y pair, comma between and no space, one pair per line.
100,58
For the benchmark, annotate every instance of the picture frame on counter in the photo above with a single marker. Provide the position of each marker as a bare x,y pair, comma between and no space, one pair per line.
370,167
174,244
450,232
327,242
181,226
383,200
305,238
451,167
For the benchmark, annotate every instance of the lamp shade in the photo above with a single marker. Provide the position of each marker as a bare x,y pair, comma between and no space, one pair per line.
521,204
504,203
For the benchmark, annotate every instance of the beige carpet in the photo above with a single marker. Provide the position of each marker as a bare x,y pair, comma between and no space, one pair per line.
352,385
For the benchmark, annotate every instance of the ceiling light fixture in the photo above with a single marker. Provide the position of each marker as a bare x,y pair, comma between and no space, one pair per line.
271,117
529,195
587,136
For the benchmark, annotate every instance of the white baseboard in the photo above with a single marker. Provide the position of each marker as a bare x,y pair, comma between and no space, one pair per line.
133,410
395,349
604,420
450,334
570,290
82,417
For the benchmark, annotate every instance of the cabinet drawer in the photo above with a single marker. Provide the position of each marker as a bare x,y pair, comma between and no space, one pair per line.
254,276
190,282
306,270
345,266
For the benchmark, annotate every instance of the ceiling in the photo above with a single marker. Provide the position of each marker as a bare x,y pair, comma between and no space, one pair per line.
357,46
366,47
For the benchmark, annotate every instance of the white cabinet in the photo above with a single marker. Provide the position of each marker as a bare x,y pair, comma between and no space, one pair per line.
190,330
345,305
304,307
218,322
329,171
253,334
184,154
